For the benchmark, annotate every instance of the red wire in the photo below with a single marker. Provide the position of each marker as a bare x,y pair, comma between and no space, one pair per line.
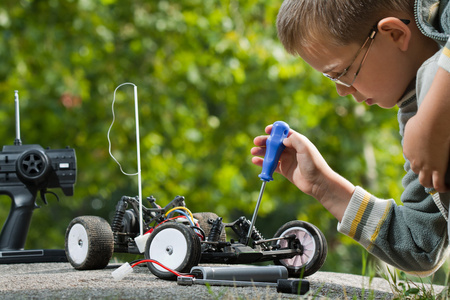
161,265
151,229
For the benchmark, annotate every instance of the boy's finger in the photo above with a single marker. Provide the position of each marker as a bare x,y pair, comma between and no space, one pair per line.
439,182
268,128
425,179
260,140
257,161
258,151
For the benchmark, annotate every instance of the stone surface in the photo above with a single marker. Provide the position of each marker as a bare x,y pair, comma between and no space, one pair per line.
61,281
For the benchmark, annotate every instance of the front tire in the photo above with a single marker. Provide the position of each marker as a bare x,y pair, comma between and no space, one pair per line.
89,243
175,246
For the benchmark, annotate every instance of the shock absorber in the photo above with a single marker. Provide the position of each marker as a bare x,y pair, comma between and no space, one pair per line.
116,224
216,230
256,235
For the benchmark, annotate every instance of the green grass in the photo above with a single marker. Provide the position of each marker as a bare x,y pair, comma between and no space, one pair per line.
403,287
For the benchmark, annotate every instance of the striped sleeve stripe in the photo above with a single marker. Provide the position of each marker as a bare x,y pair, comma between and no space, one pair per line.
446,52
359,216
364,216
375,234
444,58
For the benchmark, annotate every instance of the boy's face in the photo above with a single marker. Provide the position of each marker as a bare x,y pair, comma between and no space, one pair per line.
384,71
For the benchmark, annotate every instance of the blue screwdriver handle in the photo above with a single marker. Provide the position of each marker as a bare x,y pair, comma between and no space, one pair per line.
274,148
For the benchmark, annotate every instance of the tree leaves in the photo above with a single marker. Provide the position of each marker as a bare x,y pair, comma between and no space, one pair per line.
210,76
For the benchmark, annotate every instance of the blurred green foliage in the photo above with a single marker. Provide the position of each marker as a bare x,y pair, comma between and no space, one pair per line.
210,76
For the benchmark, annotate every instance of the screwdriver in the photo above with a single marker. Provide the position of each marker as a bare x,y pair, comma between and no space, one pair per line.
274,148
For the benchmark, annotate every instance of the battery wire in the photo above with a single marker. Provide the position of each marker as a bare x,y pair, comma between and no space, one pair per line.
162,266
196,227
183,208
182,213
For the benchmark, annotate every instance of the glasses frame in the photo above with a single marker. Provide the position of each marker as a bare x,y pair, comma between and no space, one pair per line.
370,38
338,78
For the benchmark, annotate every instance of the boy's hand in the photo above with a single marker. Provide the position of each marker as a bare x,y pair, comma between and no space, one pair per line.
303,165
426,141
427,151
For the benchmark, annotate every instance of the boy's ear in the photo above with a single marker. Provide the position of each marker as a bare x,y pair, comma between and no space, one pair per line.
396,30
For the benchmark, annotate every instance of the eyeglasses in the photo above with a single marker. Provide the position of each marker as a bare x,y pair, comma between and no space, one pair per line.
339,79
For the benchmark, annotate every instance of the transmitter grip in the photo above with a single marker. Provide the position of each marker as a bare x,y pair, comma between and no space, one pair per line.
24,171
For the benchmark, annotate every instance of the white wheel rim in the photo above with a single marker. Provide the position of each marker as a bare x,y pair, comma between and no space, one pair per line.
168,247
309,247
78,243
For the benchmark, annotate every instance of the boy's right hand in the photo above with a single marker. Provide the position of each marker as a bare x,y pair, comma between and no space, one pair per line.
300,162
303,165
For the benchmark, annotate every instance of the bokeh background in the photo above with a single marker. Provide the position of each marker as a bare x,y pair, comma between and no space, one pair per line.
210,76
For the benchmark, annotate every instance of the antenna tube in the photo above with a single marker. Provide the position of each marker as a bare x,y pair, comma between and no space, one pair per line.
16,102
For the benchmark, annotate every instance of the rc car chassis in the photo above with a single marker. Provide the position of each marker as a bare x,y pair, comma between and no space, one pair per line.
180,240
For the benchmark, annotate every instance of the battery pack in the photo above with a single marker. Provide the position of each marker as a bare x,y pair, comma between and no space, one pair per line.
241,273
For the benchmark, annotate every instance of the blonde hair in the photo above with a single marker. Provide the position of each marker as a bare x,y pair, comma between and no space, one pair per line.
302,23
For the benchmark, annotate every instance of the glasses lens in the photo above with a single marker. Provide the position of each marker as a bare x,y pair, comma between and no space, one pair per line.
337,80
343,83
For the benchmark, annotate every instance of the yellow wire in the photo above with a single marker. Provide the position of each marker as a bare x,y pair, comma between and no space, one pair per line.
184,208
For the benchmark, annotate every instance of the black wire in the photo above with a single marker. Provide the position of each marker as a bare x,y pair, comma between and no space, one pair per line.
198,228
136,261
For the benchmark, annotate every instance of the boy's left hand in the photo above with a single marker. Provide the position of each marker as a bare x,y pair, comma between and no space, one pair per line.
428,152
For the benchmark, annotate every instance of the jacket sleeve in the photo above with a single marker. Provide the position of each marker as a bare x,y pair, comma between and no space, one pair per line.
411,237
444,59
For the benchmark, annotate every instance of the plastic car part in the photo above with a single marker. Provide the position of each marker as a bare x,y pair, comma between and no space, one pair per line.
89,243
312,243
175,246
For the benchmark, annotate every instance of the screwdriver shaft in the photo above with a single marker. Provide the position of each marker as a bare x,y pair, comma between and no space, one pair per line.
255,213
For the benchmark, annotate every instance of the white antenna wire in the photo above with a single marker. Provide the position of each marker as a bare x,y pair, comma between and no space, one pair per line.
138,152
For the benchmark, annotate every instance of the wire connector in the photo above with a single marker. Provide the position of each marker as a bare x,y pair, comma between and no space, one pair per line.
122,271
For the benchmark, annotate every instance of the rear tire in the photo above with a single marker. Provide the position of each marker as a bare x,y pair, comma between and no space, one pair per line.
313,244
89,243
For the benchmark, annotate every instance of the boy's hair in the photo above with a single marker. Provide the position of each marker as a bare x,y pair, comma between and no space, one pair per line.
303,23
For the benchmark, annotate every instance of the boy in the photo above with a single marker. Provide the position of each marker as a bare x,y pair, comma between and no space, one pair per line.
373,51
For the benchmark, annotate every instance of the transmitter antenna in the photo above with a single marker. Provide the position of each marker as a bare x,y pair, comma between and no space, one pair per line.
18,141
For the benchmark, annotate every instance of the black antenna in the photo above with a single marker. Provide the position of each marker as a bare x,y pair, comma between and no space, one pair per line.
17,142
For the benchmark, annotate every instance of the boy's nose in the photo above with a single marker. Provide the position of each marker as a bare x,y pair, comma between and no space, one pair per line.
343,91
